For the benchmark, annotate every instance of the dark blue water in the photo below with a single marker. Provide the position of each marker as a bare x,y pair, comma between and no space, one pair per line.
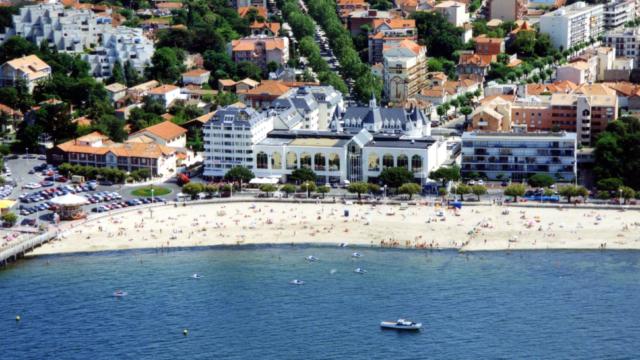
527,305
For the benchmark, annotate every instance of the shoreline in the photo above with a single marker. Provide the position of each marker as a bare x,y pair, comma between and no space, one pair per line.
472,228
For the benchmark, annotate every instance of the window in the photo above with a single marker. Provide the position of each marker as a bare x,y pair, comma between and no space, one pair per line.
416,163
334,162
305,160
292,160
262,160
374,162
387,161
319,161
276,160
403,161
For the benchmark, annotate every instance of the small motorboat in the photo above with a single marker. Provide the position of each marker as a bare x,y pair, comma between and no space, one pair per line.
196,276
360,271
311,258
356,255
343,244
401,324
119,293
296,282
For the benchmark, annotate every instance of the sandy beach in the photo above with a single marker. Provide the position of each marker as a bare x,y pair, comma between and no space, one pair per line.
472,228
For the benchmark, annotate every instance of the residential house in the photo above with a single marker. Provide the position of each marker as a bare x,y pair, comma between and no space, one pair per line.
389,30
474,64
489,46
455,12
116,91
260,50
11,118
165,133
29,69
196,77
578,72
165,94
265,28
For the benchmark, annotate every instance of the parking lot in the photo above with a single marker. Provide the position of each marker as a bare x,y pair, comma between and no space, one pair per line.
33,184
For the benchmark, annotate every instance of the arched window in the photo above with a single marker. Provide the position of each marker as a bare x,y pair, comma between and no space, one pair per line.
334,162
262,160
403,161
374,162
292,160
305,160
319,161
387,161
416,163
276,160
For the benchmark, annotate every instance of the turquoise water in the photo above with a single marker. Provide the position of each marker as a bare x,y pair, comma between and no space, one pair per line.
524,305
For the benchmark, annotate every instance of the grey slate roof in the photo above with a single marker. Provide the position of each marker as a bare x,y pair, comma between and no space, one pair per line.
237,116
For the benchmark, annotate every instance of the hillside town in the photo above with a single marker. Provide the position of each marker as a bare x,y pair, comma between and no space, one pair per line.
414,97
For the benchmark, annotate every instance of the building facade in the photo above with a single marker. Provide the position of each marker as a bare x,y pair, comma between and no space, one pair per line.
260,50
618,12
29,69
230,138
122,44
573,24
507,10
389,30
455,12
517,156
625,41
405,70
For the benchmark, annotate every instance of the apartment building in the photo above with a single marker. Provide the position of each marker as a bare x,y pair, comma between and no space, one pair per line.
230,137
455,12
507,10
618,12
97,150
625,41
260,50
404,71
573,24
122,44
30,69
517,156
389,30
587,111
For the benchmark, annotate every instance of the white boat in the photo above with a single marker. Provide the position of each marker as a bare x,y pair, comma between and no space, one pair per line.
296,282
360,271
119,293
196,276
401,324
356,255
311,258
343,244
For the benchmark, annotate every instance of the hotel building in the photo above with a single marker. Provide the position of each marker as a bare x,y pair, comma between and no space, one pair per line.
573,24
230,137
517,156
405,70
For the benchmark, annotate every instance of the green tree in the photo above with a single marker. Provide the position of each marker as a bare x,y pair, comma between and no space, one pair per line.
193,189
409,189
617,152
268,188
239,173
466,111
288,189
515,190
308,187
368,85
478,190
394,177
374,188
524,44
117,74
570,191
302,175
166,65
445,174
358,188
462,190
131,75
9,218
609,184
442,38
627,193
541,180
323,190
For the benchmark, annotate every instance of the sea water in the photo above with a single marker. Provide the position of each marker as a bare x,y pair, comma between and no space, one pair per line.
518,305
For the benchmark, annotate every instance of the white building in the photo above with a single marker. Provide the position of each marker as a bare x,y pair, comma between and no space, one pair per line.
304,102
69,29
165,94
517,156
230,138
618,12
30,69
164,133
455,12
122,44
404,70
579,72
625,41
196,76
336,157
76,30
573,24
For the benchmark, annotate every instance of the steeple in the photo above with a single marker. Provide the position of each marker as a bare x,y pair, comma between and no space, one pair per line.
372,103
